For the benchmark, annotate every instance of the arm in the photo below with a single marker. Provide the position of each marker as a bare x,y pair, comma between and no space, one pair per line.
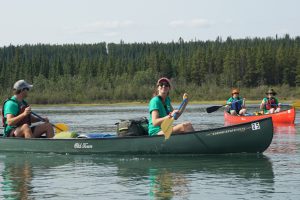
14,120
244,103
229,102
155,118
179,112
277,102
262,105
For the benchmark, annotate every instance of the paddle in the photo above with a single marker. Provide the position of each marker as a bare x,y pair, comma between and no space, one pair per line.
215,108
166,125
60,127
296,104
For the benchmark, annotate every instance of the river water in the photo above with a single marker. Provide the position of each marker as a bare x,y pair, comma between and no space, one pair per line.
272,175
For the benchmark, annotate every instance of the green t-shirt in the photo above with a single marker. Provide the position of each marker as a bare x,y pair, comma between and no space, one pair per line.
156,104
11,107
231,100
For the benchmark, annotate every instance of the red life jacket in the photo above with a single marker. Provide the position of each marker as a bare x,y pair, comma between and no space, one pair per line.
271,103
22,107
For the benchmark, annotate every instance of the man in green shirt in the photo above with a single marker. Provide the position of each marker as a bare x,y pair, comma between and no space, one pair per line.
17,116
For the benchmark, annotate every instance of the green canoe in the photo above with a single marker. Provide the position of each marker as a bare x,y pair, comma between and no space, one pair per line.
252,137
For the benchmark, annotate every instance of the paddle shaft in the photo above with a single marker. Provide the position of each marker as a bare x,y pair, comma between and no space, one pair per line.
215,108
42,119
180,106
166,125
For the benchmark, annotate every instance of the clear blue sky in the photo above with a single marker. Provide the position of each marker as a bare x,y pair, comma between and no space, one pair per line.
93,21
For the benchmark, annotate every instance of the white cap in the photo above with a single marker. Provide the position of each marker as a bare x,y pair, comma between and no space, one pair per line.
21,84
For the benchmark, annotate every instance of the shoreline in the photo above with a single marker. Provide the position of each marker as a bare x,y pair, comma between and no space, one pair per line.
135,103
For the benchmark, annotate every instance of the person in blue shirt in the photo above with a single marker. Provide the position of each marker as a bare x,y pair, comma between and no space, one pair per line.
236,104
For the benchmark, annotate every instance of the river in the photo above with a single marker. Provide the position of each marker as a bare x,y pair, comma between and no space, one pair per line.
273,175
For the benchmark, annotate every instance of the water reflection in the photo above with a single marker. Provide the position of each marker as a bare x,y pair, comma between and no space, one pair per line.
284,139
17,173
176,177
31,176
16,181
284,129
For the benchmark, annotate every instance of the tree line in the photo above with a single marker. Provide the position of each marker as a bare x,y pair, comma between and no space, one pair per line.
85,73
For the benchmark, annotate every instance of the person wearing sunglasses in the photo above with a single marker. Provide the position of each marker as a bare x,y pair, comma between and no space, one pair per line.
270,104
236,104
17,118
160,109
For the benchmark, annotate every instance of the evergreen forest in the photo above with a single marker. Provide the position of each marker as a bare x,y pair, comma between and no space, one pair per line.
127,72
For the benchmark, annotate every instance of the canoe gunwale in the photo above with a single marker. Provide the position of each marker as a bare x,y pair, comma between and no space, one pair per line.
283,117
239,138
144,136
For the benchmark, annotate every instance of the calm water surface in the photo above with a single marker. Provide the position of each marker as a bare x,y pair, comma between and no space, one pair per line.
273,175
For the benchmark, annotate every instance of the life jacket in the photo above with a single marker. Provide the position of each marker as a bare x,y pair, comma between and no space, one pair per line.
236,105
271,103
21,107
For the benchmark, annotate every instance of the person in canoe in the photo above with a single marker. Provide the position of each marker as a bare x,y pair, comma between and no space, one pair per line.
236,104
17,118
270,104
160,109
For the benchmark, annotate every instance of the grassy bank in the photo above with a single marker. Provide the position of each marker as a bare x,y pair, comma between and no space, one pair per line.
132,95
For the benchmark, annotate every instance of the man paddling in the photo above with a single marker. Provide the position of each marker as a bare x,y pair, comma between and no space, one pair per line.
270,104
17,118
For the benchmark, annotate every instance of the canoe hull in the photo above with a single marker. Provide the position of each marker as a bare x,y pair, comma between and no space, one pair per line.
254,137
284,117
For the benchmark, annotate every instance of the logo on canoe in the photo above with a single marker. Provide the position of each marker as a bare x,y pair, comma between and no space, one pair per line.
83,146
255,126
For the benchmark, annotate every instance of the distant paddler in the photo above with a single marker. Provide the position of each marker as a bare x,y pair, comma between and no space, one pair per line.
270,104
17,118
236,104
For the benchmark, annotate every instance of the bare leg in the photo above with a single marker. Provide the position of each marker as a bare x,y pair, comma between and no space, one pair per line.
243,111
23,131
183,128
233,112
43,128
272,110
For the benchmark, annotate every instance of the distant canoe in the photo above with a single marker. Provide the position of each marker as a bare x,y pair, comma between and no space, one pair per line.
254,137
283,117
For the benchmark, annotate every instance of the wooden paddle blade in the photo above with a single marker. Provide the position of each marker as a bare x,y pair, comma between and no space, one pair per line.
60,127
166,127
213,109
168,132
296,104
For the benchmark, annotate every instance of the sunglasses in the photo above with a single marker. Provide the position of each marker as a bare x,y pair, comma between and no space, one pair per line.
271,93
164,84
236,93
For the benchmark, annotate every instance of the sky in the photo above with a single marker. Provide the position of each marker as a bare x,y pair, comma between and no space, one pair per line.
93,21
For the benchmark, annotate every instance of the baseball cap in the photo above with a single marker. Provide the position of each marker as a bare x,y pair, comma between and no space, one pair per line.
163,79
21,84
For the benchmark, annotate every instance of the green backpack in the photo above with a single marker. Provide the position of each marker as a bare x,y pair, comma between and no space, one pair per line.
132,127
